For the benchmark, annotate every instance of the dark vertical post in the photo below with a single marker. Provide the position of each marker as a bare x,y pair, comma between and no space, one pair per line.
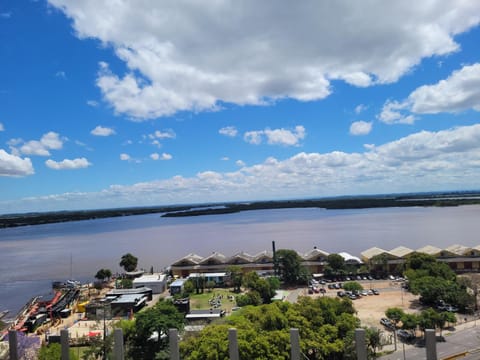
275,264
232,344
295,344
360,344
65,345
13,344
173,344
118,349
431,344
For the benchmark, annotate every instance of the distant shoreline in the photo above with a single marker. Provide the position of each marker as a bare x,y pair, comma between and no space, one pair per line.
353,202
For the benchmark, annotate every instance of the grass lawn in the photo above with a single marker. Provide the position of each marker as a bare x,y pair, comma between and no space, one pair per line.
200,301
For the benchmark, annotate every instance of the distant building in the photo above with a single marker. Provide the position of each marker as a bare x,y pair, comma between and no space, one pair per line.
177,286
460,258
262,263
156,282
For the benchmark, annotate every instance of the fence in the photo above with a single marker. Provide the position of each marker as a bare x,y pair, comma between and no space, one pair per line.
295,354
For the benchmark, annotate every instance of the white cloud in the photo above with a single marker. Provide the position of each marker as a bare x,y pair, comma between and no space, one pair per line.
240,163
167,134
49,141
61,74
230,131
68,164
285,137
225,158
253,137
276,136
155,156
2,128
394,112
124,157
360,108
166,46
12,165
360,128
102,131
166,156
92,103
424,161
460,91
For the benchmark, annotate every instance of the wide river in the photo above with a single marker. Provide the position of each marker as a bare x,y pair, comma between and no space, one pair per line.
32,256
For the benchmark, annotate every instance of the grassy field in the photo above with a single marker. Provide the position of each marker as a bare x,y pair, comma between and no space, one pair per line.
200,301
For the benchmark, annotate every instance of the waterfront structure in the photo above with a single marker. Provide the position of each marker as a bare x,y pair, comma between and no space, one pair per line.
314,260
460,258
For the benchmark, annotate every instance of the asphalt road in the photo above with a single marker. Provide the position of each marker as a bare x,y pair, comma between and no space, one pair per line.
458,342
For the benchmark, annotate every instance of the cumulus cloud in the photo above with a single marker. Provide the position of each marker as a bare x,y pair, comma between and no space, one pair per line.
166,134
166,156
125,157
459,92
49,141
12,165
424,161
360,128
68,164
230,131
394,112
276,136
240,163
253,137
102,131
168,45
360,108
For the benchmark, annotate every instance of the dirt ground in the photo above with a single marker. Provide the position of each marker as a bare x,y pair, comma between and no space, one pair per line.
370,309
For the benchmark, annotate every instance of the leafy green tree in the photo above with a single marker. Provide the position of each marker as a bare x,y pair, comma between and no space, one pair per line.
409,321
235,274
264,288
395,314
151,330
250,298
129,262
352,286
373,340
210,285
54,352
289,265
103,274
428,319
336,262
326,331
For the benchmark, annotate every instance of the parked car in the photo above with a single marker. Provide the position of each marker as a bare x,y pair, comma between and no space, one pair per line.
387,323
450,308
375,292
405,335
341,293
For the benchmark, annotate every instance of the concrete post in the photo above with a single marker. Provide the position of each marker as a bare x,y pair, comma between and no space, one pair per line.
295,344
431,344
118,350
173,343
65,345
13,344
360,344
233,344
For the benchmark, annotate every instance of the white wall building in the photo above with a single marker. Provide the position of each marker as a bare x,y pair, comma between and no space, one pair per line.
156,282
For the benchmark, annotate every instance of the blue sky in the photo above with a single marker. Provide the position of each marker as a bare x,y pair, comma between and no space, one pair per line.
111,104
